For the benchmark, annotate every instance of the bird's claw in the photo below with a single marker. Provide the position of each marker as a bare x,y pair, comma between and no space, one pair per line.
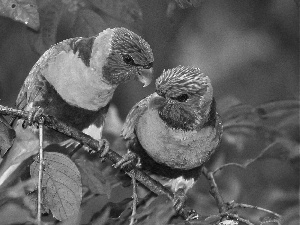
192,215
33,115
179,202
179,199
128,158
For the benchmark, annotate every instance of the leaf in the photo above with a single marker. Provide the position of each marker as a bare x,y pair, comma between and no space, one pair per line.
24,11
93,178
31,201
50,14
61,184
97,15
7,135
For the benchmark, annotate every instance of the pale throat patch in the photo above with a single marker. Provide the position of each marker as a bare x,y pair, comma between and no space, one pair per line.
78,84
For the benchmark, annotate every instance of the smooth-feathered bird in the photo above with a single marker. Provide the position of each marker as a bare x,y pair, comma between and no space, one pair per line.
74,81
175,130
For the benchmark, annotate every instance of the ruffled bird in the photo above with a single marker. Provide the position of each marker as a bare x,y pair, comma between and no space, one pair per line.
175,130
74,81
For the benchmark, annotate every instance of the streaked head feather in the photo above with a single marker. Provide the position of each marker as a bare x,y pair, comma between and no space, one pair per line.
180,79
125,41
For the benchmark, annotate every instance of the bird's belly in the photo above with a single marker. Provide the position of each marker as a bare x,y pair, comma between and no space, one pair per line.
174,147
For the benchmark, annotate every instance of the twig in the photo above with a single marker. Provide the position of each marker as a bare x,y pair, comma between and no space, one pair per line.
233,205
214,190
248,162
270,221
41,138
85,139
134,201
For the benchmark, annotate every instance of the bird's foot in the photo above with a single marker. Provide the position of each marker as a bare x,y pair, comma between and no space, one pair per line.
179,203
128,158
179,199
34,114
192,215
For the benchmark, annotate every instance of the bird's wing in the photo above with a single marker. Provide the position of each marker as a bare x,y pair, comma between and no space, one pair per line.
133,116
34,85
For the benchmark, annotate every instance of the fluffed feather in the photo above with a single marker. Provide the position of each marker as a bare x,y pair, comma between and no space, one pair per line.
175,130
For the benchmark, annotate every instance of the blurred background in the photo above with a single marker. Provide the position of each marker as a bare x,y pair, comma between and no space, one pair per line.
249,49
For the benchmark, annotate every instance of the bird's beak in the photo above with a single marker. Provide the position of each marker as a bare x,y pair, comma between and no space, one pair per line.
145,76
156,101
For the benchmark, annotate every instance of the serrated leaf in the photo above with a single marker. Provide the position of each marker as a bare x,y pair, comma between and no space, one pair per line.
93,178
61,184
24,11
7,135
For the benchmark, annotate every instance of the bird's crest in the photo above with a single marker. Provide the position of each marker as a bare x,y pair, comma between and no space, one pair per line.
127,41
182,78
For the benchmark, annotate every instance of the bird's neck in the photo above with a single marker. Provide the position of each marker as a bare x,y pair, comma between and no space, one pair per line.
182,118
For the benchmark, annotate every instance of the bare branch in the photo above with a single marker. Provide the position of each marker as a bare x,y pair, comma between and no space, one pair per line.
134,201
248,162
85,139
40,187
214,190
233,205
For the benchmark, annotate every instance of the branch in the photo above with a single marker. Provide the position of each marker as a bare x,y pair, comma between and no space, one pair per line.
225,208
232,205
214,190
248,162
85,139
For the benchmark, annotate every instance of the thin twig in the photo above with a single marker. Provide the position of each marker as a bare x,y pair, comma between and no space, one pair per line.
233,205
270,221
85,139
248,162
214,190
134,201
41,138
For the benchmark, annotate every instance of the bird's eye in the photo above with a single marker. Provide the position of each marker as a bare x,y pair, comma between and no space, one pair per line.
149,66
181,98
128,59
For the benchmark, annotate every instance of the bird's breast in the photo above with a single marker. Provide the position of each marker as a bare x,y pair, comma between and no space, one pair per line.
175,147
78,84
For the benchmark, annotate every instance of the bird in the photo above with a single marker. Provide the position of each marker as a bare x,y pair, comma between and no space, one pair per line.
175,130
74,81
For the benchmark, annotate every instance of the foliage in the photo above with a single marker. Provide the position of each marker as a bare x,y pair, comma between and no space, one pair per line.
258,142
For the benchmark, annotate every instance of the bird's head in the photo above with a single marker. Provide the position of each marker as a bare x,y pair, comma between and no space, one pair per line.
128,56
183,97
